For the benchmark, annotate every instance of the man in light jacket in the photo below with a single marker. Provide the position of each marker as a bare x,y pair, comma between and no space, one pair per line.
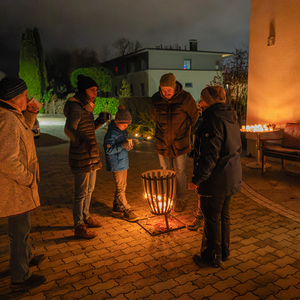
18,177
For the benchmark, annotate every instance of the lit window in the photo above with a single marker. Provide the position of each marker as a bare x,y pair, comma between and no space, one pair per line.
187,64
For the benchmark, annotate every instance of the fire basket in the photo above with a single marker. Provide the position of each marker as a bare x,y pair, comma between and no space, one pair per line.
159,190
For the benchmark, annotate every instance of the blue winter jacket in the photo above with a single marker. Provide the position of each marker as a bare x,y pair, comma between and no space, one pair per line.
116,156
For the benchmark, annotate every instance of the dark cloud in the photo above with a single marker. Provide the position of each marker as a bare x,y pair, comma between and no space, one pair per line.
218,25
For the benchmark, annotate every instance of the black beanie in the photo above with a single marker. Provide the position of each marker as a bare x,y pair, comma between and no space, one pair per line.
84,82
11,87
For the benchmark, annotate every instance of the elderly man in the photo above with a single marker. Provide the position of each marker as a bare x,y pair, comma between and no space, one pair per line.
18,177
175,113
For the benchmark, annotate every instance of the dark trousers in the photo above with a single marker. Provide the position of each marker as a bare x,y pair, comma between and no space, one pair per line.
216,231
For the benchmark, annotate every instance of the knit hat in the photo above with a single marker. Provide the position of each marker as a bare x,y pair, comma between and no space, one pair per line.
168,80
84,82
11,87
213,94
123,116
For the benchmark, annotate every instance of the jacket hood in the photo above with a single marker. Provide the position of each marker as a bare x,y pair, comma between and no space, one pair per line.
70,104
178,90
223,111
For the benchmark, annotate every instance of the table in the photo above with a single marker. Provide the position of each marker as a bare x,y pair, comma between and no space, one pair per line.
257,136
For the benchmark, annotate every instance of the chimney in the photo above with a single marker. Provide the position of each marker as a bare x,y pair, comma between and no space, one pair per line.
193,45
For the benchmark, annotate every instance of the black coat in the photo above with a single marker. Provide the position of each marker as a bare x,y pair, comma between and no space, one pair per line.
174,119
80,128
217,166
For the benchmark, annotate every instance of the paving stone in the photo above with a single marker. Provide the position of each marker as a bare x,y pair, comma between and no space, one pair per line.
245,287
265,291
165,285
121,290
287,270
179,290
139,294
228,294
245,276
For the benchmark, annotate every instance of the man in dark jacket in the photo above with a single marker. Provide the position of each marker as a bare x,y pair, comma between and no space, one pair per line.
217,173
174,112
84,156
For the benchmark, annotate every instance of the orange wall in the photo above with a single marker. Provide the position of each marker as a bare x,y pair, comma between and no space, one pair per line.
274,71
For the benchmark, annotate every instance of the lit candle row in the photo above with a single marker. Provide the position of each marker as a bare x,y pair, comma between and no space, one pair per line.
257,128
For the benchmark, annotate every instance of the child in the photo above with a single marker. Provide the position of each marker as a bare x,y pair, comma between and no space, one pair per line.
116,156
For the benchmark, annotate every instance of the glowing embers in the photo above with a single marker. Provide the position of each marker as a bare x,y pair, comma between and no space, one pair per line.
258,128
159,190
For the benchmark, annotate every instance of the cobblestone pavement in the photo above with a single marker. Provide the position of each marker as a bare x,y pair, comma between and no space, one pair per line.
126,262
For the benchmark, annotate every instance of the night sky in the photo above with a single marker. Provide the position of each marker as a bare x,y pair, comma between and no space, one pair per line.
218,25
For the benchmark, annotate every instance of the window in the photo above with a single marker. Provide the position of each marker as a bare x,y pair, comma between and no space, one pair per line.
188,84
187,64
142,89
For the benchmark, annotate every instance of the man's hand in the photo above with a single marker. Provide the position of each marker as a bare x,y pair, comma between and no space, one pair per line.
192,186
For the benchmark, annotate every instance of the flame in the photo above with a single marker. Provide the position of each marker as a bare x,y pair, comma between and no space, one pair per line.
257,128
160,205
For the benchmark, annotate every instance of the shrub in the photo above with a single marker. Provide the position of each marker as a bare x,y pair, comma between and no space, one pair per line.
106,104
145,128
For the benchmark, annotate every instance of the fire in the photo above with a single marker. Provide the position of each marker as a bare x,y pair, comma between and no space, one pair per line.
158,205
257,128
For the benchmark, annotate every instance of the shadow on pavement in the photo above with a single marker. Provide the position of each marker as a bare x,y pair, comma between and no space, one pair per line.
47,140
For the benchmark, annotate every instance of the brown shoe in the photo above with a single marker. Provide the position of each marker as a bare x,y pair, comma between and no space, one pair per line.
82,231
92,223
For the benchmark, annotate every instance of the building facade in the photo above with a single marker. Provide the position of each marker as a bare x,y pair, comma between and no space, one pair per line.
274,64
143,69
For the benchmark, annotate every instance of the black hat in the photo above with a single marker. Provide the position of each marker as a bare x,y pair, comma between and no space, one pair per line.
84,82
11,87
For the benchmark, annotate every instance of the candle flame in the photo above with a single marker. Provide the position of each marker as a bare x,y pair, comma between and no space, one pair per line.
257,128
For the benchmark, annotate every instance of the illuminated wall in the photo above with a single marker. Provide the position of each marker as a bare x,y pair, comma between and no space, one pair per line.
274,70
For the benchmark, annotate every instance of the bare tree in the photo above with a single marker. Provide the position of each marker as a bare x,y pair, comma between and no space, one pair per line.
125,46
105,54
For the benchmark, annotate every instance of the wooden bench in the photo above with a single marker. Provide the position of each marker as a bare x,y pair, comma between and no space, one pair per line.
286,147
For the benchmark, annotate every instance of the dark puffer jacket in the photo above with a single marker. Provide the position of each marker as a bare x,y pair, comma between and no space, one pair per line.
217,166
174,119
80,128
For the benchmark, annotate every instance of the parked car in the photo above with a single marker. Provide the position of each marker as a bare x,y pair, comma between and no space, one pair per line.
36,128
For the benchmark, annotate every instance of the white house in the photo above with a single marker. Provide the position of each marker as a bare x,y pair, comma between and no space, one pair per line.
143,69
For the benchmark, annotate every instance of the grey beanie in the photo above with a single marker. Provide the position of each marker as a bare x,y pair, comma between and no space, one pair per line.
11,87
213,94
168,80
123,116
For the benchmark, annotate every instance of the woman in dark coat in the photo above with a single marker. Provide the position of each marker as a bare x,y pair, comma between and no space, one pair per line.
217,173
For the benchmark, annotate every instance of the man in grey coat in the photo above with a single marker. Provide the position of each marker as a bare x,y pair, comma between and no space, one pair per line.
18,173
